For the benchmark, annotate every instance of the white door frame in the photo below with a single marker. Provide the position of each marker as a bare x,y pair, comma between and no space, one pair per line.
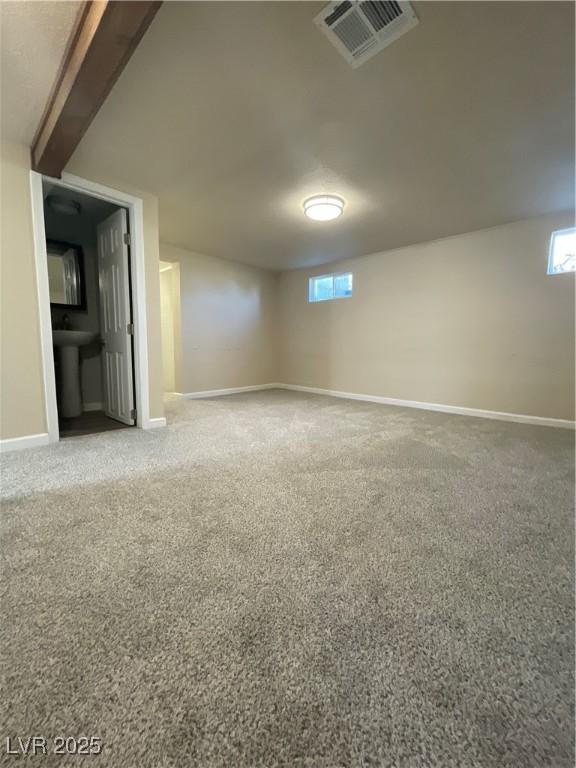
134,205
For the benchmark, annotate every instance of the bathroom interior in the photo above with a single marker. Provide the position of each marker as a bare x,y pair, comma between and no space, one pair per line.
86,384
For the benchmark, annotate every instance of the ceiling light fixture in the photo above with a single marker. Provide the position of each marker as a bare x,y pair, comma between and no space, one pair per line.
64,205
323,207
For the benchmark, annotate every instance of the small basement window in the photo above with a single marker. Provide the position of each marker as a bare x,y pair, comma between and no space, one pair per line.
326,287
562,256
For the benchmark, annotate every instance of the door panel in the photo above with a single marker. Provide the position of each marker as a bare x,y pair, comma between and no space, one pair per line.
115,317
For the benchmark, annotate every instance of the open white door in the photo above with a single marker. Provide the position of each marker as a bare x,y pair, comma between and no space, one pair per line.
115,317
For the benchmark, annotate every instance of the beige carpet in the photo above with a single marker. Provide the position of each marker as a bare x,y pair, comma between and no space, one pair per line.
280,579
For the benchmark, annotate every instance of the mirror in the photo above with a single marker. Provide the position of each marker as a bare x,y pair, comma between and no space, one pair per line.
66,275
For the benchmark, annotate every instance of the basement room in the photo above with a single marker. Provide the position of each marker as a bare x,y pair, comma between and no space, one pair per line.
287,389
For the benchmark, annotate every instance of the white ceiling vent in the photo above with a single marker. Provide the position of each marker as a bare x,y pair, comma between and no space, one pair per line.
361,29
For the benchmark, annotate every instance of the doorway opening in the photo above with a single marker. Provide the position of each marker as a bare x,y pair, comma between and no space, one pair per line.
92,306
170,326
87,249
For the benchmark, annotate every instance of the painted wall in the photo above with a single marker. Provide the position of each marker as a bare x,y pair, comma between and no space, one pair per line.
469,321
79,230
228,320
22,409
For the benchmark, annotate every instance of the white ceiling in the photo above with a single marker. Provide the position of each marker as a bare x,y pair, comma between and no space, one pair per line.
233,113
33,37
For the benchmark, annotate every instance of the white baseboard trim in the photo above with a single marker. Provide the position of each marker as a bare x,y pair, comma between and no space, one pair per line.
156,423
27,441
455,409
229,391
92,407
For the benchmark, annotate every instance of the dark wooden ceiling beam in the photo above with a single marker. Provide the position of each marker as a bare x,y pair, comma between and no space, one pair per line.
106,34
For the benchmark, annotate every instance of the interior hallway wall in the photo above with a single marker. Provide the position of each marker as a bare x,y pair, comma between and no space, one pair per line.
229,335
471,321
23,410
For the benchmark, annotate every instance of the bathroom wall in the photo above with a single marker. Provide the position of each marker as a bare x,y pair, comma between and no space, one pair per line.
81,230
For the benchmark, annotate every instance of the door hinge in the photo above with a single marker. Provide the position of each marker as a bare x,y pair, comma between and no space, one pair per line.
133,413
127,239
130,329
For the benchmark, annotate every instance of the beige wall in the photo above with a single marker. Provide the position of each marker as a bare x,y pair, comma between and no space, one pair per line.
228,322
22,410
469,321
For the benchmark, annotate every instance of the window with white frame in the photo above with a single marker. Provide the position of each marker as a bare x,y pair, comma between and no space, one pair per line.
326,287
562,255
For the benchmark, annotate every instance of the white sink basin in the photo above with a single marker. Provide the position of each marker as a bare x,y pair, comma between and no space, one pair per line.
72,338
69,392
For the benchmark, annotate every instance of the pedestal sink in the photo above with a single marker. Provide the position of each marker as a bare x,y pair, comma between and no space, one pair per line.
68,344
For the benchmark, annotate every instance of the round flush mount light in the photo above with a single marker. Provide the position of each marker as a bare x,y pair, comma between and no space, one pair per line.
323,207
64,205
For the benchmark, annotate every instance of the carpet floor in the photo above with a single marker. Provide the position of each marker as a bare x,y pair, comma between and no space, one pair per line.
279,579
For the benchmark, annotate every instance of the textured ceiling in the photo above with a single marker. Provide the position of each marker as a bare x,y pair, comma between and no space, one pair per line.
34,37
233,113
